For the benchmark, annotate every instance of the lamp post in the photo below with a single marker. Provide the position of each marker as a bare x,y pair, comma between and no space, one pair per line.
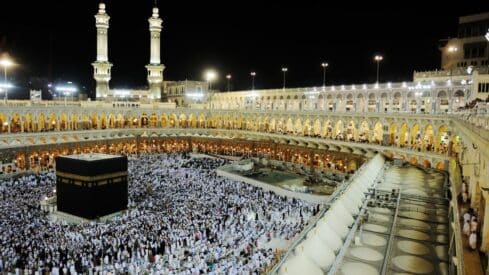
66,95
209,76
450,52
324,65
5,63
253,74
228,77
377,59
284,70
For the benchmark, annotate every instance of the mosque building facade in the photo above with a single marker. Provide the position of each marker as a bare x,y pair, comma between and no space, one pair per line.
436,120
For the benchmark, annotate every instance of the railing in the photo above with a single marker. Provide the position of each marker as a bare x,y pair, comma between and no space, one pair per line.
455,234
390,242
447,73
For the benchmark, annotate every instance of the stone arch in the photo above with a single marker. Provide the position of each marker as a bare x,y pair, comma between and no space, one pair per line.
413,160
372,102
329,102
182,121
384,102
349,106
216,122
164,121
202,121
441,93
74,121
144,120
404,135
411,104
280,127
192,121
307,128
103,121
240,123
396,102
317,127
426,164
153,120
327,129
41,122
289,126
351,131
133,121
298,128
360,103
273,125
428,137
458,100
378,133
29,124
15,123
442,139
263,124
233,120
338,132
393,135
364,131
52,122
223,122
111,123
442,101
416,139
440,166
85,121
94,121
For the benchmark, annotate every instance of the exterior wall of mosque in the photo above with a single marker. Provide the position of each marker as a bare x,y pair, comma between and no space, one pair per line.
419,124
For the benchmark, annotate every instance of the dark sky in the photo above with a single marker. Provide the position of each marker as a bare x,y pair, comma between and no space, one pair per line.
232,37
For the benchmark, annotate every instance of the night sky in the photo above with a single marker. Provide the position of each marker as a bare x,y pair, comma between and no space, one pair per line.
56,40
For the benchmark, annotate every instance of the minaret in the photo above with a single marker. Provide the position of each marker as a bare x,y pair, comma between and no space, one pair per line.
102,66
155,68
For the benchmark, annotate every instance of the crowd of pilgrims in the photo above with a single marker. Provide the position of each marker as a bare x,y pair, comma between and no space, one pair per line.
182,219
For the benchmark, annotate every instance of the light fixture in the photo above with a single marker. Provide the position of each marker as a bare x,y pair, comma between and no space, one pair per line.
210,75
5,62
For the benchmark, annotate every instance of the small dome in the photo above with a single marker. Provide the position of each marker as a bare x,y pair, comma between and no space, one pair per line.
101,8
155,12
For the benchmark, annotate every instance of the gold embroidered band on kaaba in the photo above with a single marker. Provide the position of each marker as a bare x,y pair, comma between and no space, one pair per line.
99,178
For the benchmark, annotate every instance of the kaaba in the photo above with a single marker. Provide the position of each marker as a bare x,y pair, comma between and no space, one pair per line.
91,185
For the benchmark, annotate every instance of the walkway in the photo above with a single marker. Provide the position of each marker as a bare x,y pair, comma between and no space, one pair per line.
472,260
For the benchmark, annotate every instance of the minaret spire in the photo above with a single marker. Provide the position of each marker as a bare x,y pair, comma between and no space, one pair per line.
102,66
155,68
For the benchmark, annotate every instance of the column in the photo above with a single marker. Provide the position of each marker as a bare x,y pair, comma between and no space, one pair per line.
484,228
